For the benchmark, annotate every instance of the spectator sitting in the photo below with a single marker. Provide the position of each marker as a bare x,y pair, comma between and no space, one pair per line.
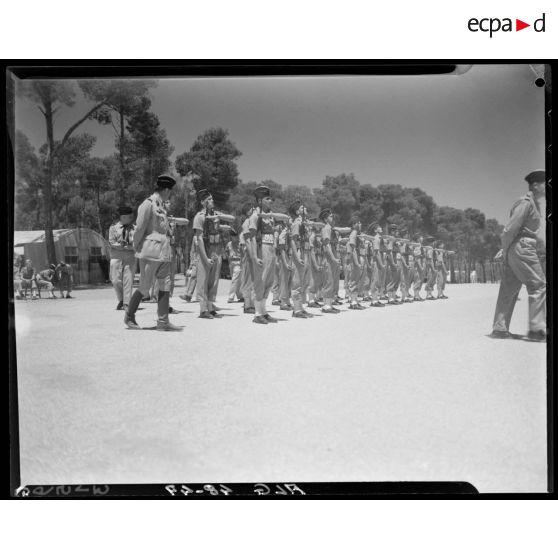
17,280
28,279
45,280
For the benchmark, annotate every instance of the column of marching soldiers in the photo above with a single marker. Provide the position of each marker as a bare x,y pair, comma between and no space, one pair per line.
299,258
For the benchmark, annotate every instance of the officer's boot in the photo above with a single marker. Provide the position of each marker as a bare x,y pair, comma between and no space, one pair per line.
163,323
130,314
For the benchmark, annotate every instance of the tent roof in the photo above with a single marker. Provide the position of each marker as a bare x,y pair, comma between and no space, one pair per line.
21,238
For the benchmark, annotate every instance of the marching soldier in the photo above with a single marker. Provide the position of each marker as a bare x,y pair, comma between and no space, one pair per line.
355,267
377,267
262,252
417,276
404,269
331,262
314,256
285,266
429,268
233,255
246,283
210,248
192,272
335,250
441,269
393,275
122,256
523,240
152,246
298,235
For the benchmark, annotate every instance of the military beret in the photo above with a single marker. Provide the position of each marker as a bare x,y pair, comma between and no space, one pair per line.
165,181
203,194
262,192
52,266
393,227
429,239
294,207
325,213
538,175
416,236
125,210
355,219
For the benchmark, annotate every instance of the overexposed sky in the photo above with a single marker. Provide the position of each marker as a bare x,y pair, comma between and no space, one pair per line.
466,140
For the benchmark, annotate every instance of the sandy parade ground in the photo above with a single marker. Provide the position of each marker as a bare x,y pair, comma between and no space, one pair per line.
414,392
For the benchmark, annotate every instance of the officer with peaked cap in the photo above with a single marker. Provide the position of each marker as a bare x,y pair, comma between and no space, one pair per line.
523,244
122,256
152,246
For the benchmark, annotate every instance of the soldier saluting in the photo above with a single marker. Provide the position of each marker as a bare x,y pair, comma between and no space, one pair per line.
208,234
523,243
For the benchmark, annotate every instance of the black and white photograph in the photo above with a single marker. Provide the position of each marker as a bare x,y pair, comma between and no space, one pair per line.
318,277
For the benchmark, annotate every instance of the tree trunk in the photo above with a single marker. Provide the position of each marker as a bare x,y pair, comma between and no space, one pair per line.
47,193
123,185
99,210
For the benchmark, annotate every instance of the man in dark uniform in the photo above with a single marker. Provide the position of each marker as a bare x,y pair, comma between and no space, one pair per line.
523,240
152,246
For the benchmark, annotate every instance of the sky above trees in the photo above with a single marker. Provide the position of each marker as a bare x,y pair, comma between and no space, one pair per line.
466,140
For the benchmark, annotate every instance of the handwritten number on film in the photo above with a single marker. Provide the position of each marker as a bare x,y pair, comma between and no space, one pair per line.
207,489
260,489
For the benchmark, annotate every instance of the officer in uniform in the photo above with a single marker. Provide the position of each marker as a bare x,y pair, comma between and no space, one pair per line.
331,261
122,256
262,251
210,247
523,240
152,246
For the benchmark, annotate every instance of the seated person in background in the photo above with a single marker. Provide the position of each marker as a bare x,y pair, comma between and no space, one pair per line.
45,280
17,280
65,275
27,276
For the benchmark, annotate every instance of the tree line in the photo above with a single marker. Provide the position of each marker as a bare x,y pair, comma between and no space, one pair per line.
61,185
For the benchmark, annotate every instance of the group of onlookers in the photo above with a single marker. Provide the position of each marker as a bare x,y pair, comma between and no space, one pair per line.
28,282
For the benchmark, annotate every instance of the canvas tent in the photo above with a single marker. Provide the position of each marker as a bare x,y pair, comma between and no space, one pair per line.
84,249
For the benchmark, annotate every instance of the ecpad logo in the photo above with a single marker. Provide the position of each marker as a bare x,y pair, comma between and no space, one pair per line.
494,24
